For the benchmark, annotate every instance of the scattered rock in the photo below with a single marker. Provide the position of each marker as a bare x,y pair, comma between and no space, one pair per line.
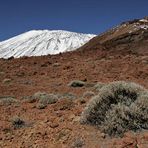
78,143
7,81
76,119
63,135
41,106
2,73
54,125
64,104
56,64
76,83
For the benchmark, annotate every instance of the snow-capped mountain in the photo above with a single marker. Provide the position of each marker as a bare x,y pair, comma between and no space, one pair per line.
42,42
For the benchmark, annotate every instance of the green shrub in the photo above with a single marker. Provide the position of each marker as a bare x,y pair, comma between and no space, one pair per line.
76,83
119,107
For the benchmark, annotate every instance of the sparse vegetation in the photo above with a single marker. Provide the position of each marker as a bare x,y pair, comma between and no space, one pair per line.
44,98
119,107
29,99
76,83
67,96
17,122
7,100
98,86
48,99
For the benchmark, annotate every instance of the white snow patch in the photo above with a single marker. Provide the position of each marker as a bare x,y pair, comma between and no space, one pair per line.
42,42
143,20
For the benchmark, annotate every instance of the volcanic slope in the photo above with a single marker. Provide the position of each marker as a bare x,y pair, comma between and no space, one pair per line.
130,36
57,125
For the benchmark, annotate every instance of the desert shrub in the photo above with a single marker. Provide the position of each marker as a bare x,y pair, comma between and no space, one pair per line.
17,122
76,83
67,96
98,86
6,101
39,95
29,99
48,99
120,106
44,98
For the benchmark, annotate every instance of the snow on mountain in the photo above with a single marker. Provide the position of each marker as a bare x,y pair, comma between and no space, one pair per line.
42,42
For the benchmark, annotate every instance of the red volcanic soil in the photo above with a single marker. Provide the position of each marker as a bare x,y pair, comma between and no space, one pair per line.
58,124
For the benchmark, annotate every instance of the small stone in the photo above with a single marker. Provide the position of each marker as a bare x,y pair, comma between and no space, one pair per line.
76,119
76,83
54,125
102,135
2,73
7,81
71,117
56,64
41,106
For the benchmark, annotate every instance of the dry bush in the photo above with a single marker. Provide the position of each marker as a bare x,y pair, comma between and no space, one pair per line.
119,107
6,101
17,122
98,86
45,98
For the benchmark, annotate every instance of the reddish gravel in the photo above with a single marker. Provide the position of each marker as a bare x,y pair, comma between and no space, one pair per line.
58,126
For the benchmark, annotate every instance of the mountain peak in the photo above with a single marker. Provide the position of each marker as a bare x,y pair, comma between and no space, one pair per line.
42,42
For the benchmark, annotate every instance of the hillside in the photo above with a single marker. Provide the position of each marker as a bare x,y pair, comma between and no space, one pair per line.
25,122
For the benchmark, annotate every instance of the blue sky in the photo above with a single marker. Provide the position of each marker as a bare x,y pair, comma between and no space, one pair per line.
86,16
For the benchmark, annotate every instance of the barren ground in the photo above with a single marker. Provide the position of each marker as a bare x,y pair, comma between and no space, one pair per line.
58,124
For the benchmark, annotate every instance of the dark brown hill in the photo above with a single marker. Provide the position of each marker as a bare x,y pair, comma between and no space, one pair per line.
130,36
